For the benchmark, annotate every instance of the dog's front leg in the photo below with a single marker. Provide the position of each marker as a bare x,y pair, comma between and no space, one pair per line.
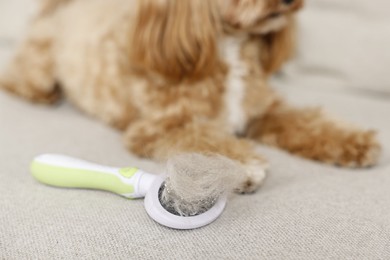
312,134
163,138
31,72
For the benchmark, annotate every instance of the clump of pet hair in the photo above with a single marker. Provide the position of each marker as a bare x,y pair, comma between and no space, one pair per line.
195,182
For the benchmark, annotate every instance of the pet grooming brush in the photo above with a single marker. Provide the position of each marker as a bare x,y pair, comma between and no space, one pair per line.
161,200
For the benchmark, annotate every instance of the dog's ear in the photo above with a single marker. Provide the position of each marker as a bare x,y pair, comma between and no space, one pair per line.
176,38
278,47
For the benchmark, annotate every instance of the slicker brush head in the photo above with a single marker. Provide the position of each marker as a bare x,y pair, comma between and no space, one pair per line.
195,182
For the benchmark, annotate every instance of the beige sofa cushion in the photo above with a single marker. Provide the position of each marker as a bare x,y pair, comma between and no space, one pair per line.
344,43
13,17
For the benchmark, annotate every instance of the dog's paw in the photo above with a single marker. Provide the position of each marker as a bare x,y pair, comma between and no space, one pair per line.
254,177
360,149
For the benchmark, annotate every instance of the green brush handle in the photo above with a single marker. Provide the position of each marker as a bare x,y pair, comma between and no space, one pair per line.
63,171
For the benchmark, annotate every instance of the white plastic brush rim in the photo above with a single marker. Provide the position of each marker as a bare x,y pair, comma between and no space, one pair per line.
159,214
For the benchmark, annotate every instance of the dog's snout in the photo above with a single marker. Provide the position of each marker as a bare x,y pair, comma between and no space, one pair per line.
287,2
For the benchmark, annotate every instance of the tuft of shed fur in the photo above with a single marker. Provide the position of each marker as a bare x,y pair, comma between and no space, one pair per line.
196,181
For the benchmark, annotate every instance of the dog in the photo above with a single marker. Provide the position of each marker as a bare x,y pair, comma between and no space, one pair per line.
182,76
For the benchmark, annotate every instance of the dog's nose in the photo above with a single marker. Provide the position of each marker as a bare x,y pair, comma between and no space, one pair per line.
287,2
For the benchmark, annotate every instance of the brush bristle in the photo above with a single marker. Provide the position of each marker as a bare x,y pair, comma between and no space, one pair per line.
195,182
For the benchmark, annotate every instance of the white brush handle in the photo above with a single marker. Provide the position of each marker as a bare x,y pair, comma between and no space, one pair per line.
64,171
